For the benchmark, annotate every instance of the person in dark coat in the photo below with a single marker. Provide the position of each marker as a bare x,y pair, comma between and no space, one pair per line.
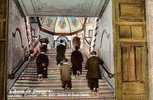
76,41
65,73
42,63
93,71
60,49
76,60
44,45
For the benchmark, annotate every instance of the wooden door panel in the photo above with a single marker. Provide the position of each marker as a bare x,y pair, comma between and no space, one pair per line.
3,8
131,50
125,32
128,65
2,29
134,97
133,62
131,1
140,60
130,11
139,88
131,32
133,67
137,32
2,69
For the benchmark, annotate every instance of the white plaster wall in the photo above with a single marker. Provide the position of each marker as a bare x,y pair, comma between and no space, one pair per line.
104,39
149,17
15,51
90,25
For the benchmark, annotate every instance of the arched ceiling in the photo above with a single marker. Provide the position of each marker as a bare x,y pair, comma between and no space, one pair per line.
62,24
83,8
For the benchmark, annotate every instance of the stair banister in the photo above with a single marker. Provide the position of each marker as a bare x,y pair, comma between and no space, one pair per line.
107,70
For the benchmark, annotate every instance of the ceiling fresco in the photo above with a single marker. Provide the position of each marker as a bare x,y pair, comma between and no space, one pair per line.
62,24
80,8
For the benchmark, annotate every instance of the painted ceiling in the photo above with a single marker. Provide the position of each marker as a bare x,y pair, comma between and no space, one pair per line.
84,8
62,24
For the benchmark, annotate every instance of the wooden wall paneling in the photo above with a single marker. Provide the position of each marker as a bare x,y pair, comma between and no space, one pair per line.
3,48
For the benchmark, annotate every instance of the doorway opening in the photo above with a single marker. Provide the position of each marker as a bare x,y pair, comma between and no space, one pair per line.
95,33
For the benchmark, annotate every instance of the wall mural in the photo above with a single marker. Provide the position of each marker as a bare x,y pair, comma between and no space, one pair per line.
62,25
74,21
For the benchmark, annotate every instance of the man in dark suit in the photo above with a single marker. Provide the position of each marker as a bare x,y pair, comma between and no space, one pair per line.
94,73
60,49
76,60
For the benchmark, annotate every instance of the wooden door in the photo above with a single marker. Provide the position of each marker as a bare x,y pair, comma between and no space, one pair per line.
3,49
131,67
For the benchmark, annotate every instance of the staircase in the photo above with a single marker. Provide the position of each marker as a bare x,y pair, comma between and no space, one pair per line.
27,87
